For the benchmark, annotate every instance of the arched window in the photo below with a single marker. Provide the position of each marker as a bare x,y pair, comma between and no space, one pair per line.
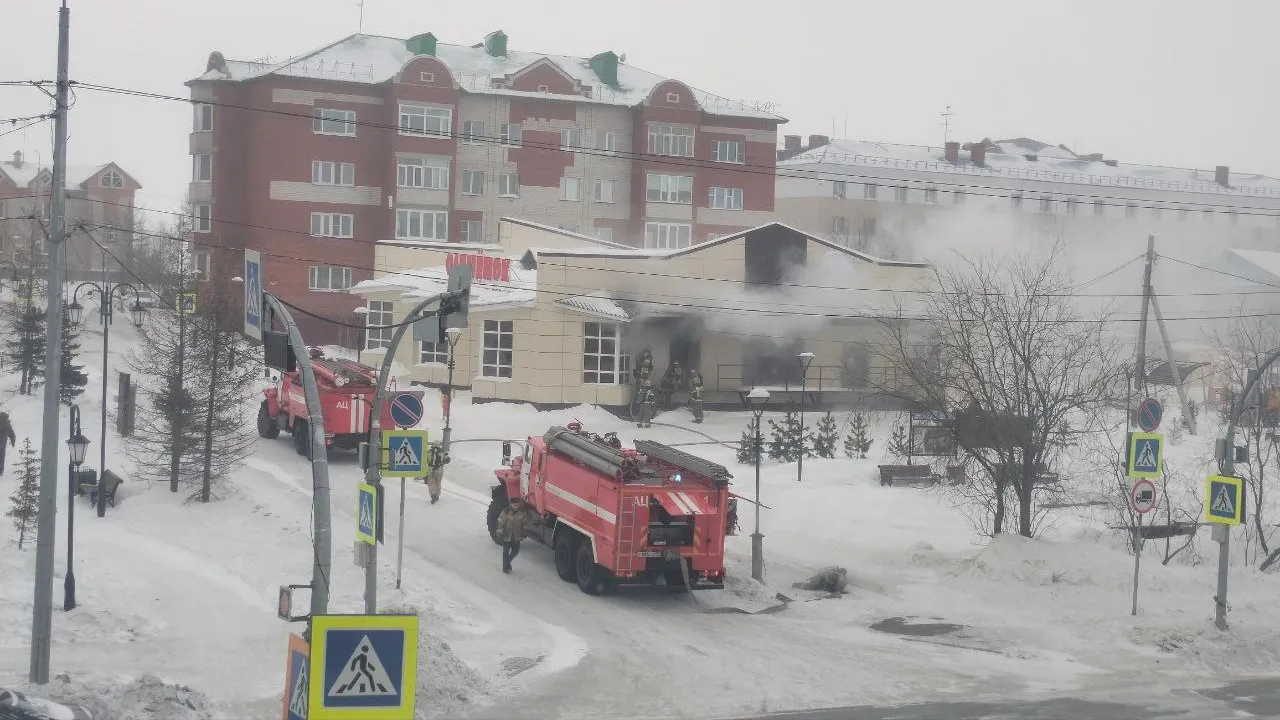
112,179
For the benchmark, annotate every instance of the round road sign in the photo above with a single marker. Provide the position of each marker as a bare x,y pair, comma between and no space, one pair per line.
1150,411
1142,497
406,409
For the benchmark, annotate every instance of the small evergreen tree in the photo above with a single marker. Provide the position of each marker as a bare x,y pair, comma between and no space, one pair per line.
858,442
1195,414
73,379
788,440
746,446
25,508
899,443
824,440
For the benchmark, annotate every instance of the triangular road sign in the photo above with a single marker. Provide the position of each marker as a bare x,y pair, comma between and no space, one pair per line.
405,456
363,675
366,511
298,696
1224,503
1146,455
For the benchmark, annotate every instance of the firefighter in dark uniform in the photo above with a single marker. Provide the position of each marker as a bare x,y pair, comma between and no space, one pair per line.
695,395
644,366
648,399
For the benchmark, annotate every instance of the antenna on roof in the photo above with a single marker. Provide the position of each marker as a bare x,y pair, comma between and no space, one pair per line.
360,27
946,125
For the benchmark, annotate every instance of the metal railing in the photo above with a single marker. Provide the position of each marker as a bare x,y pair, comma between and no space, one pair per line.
820,378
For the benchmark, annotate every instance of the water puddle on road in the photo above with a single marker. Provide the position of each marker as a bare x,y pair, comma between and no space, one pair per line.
915,627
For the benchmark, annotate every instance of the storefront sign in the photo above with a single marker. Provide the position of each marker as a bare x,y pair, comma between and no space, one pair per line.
485,267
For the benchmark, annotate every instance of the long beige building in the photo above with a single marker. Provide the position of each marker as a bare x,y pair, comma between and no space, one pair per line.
558,318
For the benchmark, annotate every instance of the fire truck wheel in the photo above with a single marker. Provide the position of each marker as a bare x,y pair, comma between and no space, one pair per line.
565,544
300,438
495,509
267,426
592,578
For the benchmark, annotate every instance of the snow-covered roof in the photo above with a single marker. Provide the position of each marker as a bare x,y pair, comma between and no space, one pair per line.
374,59
23,175
1027,159
422,283
596,306
587,239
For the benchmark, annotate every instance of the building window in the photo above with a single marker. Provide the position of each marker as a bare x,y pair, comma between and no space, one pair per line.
674,140
473,132
472,182
332,225
869,191
200,263
429,120
604,233
900,194
839,189
1130,210
607,141
512,134
571,139
840,226
667,236
328,278
202,218
604,361
472,231
112,179
419,173
1046,204
422,225
203,121
729,151
433,353
333,122
670,189
1099,208
869,227
570,188
201,168
931,195
957,197
377,334
1073,206
603,191
509,185
426,77
495,362
725,198
333,173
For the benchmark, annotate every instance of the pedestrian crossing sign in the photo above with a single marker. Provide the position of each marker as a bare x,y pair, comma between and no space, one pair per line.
366,513
1222,500
405,452
1146,455
296,685
363,667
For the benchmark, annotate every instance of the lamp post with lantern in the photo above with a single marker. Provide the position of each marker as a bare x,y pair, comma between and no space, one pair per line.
77,445
806,359
756,401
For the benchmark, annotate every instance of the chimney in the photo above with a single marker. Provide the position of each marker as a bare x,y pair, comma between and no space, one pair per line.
1221,174
952,152
978,154
17,158
818,140
791,143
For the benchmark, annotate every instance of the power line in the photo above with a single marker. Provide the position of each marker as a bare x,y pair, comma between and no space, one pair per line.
32,122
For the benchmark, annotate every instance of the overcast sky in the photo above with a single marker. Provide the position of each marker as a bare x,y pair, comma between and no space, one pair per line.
1169,82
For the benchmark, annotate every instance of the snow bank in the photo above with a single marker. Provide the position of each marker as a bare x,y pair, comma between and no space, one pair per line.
144,698
446,685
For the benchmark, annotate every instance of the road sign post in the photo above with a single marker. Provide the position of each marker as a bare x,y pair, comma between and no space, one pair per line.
1146,455
297,686
1142,500
363,667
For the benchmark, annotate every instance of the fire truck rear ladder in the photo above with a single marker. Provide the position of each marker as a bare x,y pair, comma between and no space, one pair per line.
627,536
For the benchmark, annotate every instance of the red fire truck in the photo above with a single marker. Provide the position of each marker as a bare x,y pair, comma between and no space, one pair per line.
619,516
346,401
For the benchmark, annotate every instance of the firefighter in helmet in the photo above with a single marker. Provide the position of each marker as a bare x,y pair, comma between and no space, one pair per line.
695,395
436,460
644,365
648,399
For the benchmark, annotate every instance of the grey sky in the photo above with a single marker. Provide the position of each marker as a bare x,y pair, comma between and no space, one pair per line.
1168,82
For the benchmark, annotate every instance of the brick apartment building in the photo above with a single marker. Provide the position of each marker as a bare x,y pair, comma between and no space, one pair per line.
315,160
100,201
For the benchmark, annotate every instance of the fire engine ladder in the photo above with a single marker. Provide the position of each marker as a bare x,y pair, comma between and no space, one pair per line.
627,536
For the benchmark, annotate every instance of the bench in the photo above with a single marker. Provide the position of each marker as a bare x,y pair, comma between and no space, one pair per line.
911,474
86,480
110,484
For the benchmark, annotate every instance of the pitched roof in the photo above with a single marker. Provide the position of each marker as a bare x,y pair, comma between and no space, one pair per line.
375,59
77,175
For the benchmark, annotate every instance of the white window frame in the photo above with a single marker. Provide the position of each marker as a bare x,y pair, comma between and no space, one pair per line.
320,278
603,233
201,218
1099,208
1046,204
332,121
197,166
607,141
469,184
595,336
931,195
425,120
422,174
667,235
492,366
466,233
505,183
1073,206
201,117
571,189
512,134
201,264
722,198
900,194
339,225
672,189
839,189
839,226
671,139
422,224
328,172
571,140
604,191
377,336
433,353
869,191
473,132
111,179
958,197
729,151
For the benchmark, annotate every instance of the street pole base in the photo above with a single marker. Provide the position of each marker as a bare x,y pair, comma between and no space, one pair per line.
757,557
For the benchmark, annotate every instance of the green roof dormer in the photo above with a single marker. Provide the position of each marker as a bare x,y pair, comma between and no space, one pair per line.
424,44
495,44
605,66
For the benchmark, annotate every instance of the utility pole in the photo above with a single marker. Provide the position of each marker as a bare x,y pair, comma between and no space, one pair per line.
1140,374
1150,300
42,606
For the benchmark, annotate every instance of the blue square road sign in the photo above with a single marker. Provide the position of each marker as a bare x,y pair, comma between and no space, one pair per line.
1146,455
366,513
363,667
406,453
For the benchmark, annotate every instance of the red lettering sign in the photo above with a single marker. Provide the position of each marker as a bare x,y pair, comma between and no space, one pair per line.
483,267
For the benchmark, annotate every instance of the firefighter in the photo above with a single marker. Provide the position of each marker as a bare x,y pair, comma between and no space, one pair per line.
695,395
435,476
648,401
732,518
644,365
511,531
6,434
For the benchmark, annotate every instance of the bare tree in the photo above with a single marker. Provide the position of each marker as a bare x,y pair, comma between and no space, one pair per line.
1000,345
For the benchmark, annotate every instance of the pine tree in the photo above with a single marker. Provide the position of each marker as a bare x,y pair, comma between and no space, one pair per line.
25,501
858,442
899,443
789,440
1195,413
746,446
73,379
25,347
824,441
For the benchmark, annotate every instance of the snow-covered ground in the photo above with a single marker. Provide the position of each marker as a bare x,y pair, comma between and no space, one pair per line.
176,615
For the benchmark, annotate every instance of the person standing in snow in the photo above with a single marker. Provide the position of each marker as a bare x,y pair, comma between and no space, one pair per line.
435,474
511,531
6,433
648,400
644,365
695,395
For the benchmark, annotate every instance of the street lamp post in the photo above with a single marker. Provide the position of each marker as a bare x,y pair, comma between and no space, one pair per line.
78,445
453,334
806,359
757,399
107,294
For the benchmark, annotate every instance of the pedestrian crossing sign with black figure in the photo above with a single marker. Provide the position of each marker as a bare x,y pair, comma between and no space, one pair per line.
1146,455
1223,499
405,452
363,667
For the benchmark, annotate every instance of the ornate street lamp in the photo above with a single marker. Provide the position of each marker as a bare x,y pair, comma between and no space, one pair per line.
756,400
